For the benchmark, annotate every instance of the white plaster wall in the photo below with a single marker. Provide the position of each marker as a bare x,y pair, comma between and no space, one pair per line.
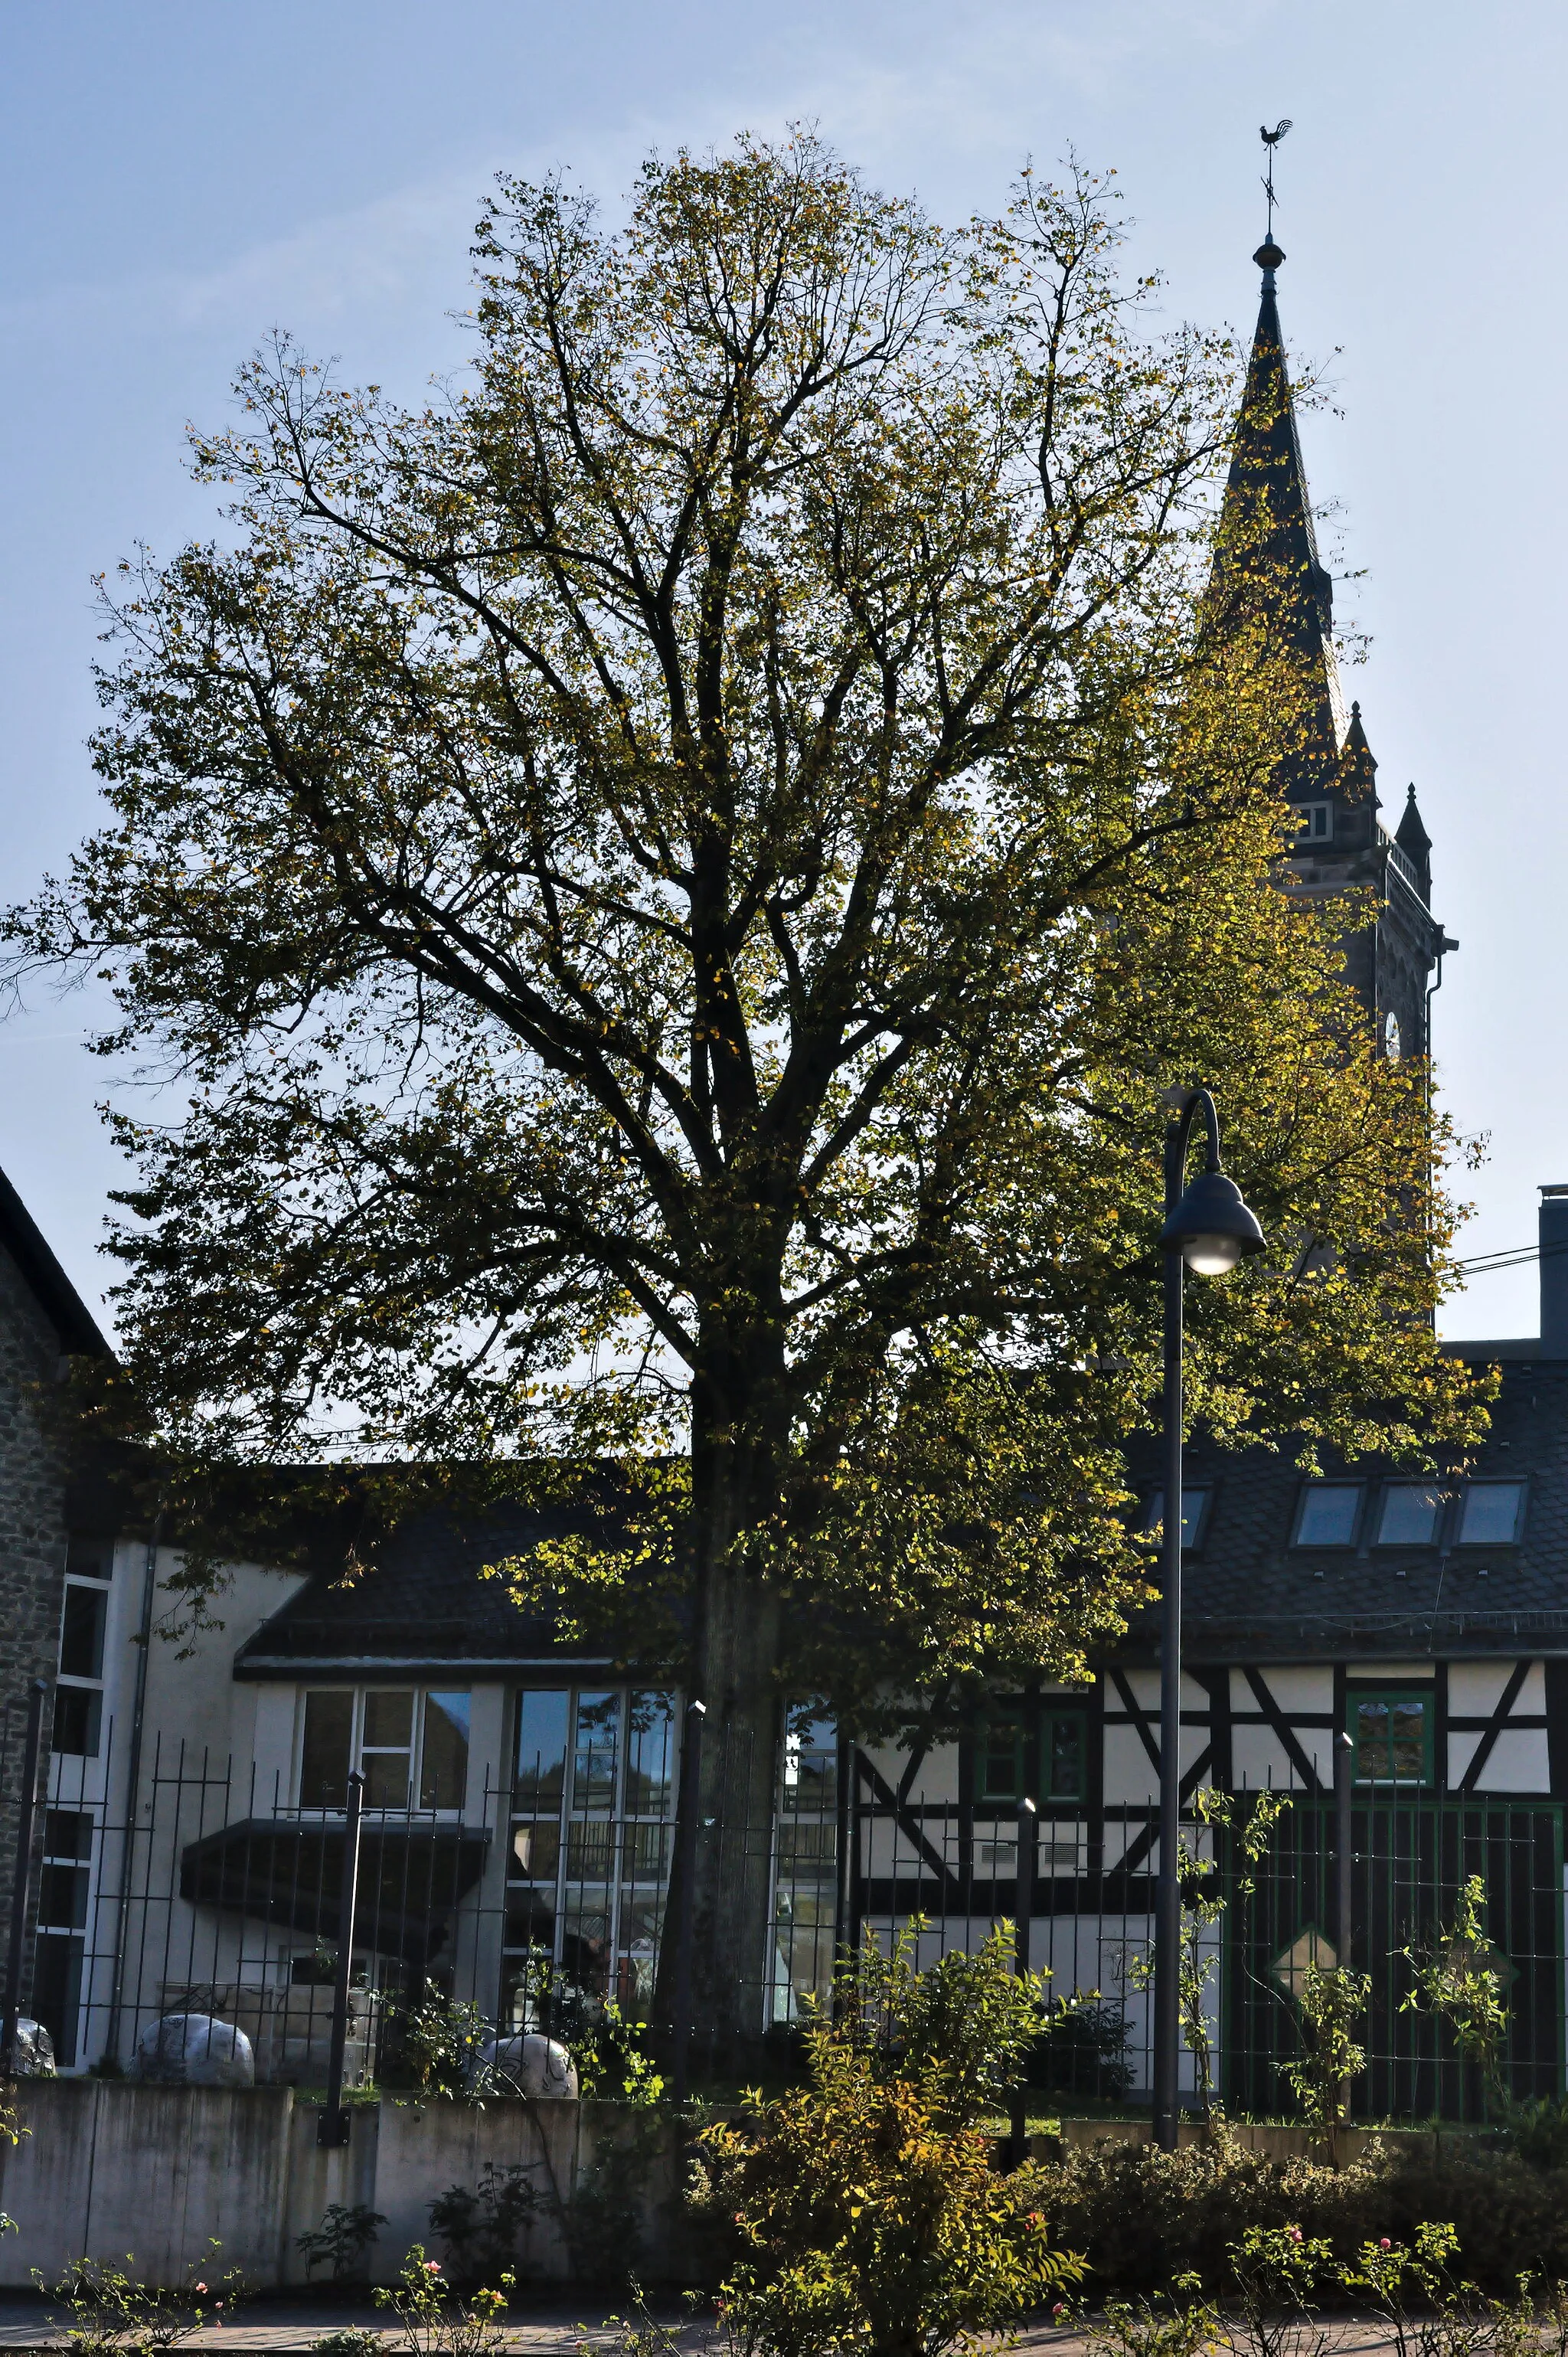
936,1779
276,1709
1518,1764
191,1693
1476,1688
1259,1760
1294,1685
1144,1685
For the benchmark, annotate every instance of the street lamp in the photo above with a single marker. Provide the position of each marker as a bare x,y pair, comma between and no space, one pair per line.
1207,1229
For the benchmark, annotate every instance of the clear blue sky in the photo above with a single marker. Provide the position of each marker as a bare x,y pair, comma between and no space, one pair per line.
179,179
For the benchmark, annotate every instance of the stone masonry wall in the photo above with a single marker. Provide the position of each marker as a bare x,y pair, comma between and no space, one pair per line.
33,1473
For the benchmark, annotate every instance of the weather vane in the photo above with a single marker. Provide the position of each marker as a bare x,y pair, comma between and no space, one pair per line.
1270,140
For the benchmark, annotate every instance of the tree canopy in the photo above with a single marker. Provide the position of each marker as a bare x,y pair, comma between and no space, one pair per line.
673,884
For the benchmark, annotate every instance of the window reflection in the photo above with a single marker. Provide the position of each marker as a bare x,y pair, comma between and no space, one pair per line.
595,1751
541,1720
1391,1736
1410,1513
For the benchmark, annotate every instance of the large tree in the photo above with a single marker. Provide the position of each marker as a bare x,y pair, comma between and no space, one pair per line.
671,886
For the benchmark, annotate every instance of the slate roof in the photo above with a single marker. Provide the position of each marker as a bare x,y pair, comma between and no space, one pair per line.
1248,1594
72,1321
422,1604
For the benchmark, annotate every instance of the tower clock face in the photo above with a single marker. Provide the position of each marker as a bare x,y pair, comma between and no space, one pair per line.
1391,1036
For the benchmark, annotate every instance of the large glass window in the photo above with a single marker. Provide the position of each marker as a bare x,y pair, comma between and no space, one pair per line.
596,1750
1492,1513
386,1751
1391,1732
1327,1514
324,1759
591,1839
1410,1513
79,1721
397,1734
805,1880
60,1947
543,1716
82,1633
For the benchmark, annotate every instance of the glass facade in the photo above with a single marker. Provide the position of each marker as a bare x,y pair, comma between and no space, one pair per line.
805,1877
412,1748
590,1843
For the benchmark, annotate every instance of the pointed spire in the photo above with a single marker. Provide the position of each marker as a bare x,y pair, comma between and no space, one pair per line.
1357,764
1416,843
1267,506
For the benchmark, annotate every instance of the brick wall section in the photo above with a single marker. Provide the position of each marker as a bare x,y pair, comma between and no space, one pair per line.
33,1477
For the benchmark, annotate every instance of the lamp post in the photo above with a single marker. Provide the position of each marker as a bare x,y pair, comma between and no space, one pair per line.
1207,1229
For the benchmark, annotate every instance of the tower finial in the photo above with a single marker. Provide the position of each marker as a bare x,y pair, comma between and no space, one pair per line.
1269,257
1270,140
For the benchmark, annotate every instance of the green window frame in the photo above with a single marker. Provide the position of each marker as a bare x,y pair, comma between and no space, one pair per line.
1391,1734
1064,1754
1001,1755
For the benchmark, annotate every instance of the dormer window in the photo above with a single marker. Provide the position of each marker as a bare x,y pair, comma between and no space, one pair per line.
1316,822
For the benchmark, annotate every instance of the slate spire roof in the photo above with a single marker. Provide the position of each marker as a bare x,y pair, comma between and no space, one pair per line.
1266,501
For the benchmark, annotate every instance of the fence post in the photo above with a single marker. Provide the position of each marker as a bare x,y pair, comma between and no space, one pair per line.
686,1821
332,2127
1344,1761
22,1883
1028,1827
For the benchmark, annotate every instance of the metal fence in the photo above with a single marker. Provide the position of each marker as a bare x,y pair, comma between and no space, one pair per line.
547,1891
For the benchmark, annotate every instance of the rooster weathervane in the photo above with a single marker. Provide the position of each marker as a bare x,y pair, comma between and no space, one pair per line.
1270,140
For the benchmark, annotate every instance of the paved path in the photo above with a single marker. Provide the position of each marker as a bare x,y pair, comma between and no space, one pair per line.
289,2328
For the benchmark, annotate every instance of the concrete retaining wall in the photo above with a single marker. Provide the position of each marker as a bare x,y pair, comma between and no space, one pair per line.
162,2173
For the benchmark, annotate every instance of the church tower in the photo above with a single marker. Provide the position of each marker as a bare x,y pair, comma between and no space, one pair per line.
1330,778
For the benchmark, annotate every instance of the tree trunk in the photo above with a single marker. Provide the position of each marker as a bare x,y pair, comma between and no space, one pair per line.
734,1673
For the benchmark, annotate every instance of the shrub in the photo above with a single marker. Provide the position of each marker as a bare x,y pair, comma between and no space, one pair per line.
1538,2132
1142,2217
1082,2050
433,2045
113,2313
1331,2004
434,2322
867,2208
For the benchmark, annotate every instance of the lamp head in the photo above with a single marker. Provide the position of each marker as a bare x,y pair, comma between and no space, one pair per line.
1211,1226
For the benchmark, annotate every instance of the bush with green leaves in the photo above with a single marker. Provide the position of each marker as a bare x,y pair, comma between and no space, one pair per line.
1459,1978
433,2320
1277,2271
1538,2131
608,2045
1142,2217
868,2212
1331,2004
1083,2049
113,2311
434,2043
1179,2323
1246,1819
